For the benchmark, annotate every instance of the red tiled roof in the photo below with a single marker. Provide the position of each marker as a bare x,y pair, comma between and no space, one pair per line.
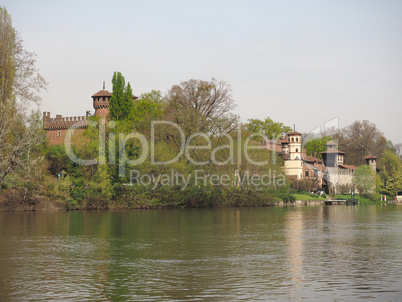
295,133
370,157
102,93
107,93
350,167
312,159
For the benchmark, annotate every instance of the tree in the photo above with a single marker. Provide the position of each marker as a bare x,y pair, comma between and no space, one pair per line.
359,140
316,145
57,159
20,133
7,51
267,127
364,178
102,182
18,144
19,78
121,102
390,172
201,106
149,107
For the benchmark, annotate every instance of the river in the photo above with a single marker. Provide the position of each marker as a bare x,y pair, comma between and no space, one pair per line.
317,253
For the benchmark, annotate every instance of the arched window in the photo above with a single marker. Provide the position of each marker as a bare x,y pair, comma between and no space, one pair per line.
293,139
297,150
297,139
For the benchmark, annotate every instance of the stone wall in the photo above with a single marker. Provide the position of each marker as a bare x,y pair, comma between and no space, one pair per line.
56,128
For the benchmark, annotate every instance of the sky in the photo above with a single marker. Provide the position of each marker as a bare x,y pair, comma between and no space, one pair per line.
301,63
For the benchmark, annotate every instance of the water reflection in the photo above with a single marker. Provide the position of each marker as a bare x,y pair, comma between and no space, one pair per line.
314,253
294,239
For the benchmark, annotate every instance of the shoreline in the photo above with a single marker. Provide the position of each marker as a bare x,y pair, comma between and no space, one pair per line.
18,201
46,205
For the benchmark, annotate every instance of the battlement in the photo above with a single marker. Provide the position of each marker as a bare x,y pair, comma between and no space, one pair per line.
337,171
60,122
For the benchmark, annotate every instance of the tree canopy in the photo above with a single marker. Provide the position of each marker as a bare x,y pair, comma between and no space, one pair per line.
201,106
316,145
267,127
360,139
20,133
390,172
364,178
121,102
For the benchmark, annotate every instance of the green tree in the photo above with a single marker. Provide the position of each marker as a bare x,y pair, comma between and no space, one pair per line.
7,50
58,160
121,102
364,178
149,107
390,172
102,182
267,127
317,145
77,191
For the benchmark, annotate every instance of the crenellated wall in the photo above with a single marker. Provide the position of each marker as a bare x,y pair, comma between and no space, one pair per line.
60,122
57,128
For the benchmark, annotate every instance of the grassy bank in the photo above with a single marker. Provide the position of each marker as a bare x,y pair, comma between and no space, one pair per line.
60,196
364,199
303,196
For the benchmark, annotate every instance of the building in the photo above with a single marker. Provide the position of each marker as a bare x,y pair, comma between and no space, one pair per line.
56,128
330,173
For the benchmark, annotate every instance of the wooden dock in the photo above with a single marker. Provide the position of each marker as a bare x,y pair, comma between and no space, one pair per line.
341,202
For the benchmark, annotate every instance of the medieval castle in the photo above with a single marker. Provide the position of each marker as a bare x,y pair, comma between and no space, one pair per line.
330,171
56,128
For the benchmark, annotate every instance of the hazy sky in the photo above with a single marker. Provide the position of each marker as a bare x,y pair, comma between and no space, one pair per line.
298,62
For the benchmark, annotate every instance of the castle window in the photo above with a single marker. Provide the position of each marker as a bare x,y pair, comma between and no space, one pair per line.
297,150
293,139
58,133
297,139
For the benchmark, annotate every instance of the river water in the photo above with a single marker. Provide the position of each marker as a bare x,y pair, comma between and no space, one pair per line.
323,253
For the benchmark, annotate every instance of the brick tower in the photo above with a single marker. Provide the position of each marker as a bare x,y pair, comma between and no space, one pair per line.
101,102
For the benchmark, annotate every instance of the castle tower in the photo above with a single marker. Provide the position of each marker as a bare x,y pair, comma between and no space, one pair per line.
332,156
295,145
101,102
294,163
371,160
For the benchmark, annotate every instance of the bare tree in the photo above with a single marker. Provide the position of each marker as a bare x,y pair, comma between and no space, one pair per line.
20,82
27,80
19,141
19,77
201,106
361,139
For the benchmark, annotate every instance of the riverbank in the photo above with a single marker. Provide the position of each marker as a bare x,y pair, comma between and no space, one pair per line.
22,201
